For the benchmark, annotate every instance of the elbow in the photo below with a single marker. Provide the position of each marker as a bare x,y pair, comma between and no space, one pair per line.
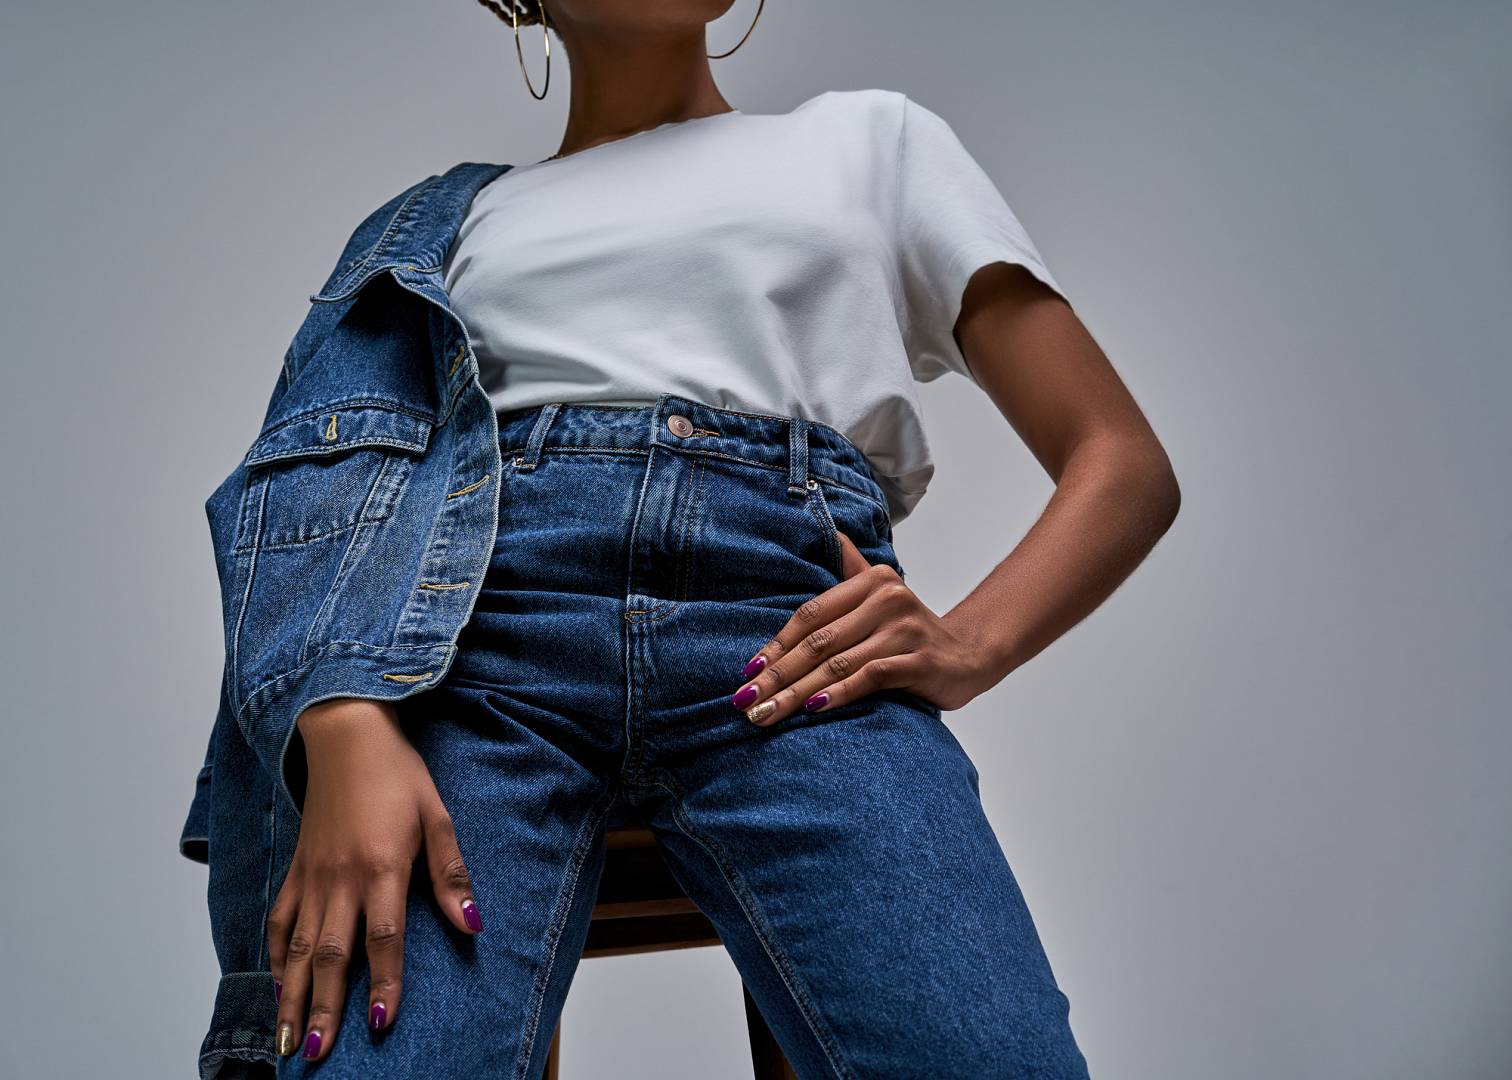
1171,505
1162,492
1147,480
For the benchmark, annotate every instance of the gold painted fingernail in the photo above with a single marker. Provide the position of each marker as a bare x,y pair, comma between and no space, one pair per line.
760,712
286,1040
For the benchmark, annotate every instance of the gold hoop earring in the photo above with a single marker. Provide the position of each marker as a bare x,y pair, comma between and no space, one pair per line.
738,44
514,16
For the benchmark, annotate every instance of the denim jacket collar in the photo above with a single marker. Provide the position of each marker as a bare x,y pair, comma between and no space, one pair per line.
416,238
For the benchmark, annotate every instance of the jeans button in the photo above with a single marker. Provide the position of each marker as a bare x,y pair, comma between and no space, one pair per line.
680,425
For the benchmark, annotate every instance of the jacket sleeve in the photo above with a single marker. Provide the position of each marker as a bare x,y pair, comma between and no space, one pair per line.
265,601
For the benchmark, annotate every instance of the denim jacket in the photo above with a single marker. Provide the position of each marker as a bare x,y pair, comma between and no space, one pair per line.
350,545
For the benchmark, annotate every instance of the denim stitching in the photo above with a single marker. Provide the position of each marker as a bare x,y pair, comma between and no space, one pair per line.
635,710
319,451
627,451
263,688
783,469
350,403
378,244
211,1061
747,901
280,545
365,516
710,453
586,832
264,955
683,578
828,528
356,547
234,663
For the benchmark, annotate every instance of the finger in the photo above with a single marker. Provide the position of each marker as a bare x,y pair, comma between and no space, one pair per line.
297,974
280,925
813,613
852,562
869,595
448,872
845,677
384,941
881,672
332,957
825,655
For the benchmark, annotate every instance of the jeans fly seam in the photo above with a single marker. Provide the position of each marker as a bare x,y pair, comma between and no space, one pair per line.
635,714
682,578
632,637
566,896
685,555
762,929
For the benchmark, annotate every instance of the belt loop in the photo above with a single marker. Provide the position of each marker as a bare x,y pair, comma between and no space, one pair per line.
532,456
798,456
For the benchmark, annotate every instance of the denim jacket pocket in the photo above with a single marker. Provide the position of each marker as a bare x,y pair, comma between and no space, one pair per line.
323,473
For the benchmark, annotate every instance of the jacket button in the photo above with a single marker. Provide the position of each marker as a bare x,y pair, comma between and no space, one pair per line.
680,425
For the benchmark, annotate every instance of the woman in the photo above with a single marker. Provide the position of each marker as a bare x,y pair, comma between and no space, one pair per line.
698,330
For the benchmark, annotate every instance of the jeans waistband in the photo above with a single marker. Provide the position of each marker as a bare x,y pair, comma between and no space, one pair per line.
805,449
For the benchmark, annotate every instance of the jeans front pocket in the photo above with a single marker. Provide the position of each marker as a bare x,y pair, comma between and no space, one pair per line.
838,508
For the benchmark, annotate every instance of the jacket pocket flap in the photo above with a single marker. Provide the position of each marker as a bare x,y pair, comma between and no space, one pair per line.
339,428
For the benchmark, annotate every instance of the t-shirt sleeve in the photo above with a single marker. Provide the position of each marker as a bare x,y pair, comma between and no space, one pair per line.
951,220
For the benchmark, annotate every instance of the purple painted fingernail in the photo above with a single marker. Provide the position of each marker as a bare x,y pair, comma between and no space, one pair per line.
312,1044
818,701
744,696
753,666
376,1015
471,916
277,990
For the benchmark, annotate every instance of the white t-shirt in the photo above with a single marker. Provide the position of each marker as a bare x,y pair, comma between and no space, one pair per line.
804,263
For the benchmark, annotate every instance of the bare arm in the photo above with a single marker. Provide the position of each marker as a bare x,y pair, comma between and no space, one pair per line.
1115,491
1115,496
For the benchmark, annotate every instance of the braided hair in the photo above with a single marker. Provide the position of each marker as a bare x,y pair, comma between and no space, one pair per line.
529,11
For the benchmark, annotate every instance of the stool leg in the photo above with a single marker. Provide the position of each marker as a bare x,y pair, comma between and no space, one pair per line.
554,1055
767,1059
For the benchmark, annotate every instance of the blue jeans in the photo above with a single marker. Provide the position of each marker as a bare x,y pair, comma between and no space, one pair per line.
644,554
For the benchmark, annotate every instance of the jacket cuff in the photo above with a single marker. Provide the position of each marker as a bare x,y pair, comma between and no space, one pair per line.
240,1040
342,669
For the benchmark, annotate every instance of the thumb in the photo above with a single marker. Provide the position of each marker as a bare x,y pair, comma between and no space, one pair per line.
852,562
448,871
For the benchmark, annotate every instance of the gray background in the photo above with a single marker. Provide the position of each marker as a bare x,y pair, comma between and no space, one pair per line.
1257,802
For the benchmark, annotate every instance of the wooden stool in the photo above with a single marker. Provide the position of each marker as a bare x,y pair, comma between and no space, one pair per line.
641,908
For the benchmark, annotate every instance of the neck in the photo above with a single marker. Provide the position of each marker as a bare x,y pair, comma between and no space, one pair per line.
630,80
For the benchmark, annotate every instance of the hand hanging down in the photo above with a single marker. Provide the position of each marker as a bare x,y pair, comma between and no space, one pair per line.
869,632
